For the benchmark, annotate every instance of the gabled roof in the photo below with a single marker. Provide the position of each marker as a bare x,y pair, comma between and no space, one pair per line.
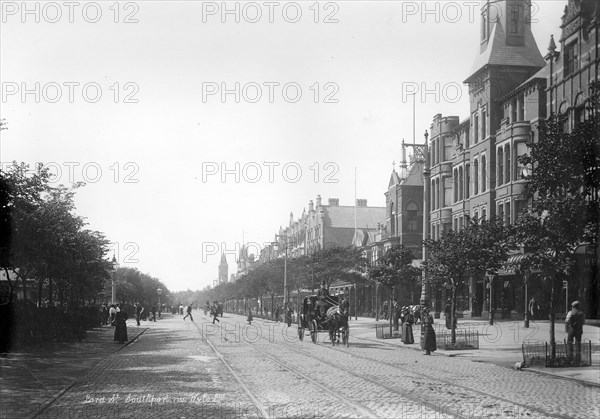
415,175
394,179
543,74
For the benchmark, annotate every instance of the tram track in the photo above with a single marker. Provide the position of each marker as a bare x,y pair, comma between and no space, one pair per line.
406,366
488,399
362,410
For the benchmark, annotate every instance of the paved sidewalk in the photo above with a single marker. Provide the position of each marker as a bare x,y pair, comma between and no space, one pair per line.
32,377
499,343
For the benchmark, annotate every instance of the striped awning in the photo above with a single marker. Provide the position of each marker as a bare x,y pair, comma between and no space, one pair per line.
515,259
508,268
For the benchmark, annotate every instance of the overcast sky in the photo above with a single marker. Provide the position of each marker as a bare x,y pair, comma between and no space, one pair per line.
130,101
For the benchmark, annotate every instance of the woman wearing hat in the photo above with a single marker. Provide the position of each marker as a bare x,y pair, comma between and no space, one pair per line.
407,332
427,332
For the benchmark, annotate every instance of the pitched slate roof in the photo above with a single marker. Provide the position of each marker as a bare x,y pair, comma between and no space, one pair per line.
498,53
343,217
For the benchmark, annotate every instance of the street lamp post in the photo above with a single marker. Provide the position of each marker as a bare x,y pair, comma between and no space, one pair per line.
285,288
526,318
421,151
115,266
491,283
159,291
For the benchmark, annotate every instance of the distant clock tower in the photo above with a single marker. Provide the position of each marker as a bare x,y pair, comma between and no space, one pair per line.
223,269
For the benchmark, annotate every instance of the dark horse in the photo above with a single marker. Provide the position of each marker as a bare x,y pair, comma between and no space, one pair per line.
337,319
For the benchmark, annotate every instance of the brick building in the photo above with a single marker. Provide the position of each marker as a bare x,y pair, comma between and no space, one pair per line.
512,89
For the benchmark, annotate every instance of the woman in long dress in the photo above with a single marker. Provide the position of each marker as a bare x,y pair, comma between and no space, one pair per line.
407,332
120,325
427,332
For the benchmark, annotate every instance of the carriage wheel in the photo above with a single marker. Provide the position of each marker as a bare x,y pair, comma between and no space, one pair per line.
345,336
313,332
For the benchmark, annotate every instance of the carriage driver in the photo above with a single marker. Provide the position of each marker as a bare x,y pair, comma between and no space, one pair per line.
322,294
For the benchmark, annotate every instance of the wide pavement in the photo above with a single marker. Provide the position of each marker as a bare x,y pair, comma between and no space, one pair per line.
170,369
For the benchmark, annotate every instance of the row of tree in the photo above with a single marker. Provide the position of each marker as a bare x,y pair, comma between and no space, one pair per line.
47,251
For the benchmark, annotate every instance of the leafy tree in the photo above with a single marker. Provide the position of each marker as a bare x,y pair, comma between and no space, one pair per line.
478,248
337,263
395,268
563,187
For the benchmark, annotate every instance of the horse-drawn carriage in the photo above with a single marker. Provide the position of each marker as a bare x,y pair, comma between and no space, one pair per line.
324,314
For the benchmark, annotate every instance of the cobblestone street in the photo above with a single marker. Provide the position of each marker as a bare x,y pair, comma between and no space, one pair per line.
184,369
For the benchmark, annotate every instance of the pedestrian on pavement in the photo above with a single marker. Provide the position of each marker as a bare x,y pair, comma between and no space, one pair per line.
288,315
277,314
103,313
486,304
153,312
250,316
448,314
407,333
533,307
385,310
395,313
120,325
189,313
112,312
574,322
427,333
138,312
475,302
181,309
214,311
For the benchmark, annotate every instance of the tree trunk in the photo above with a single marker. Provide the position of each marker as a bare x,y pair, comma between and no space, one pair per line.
390,310
552,320
24,281
10,286
453,316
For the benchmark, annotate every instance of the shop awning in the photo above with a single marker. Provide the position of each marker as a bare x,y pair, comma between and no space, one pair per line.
508,268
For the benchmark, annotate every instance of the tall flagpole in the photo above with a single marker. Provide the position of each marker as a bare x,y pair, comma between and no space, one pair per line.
414,113
355,168
355,285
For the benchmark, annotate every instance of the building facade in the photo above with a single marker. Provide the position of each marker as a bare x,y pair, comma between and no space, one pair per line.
474,165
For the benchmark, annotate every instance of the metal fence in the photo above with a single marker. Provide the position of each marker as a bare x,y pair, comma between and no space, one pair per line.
382,331
465,339
565,355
